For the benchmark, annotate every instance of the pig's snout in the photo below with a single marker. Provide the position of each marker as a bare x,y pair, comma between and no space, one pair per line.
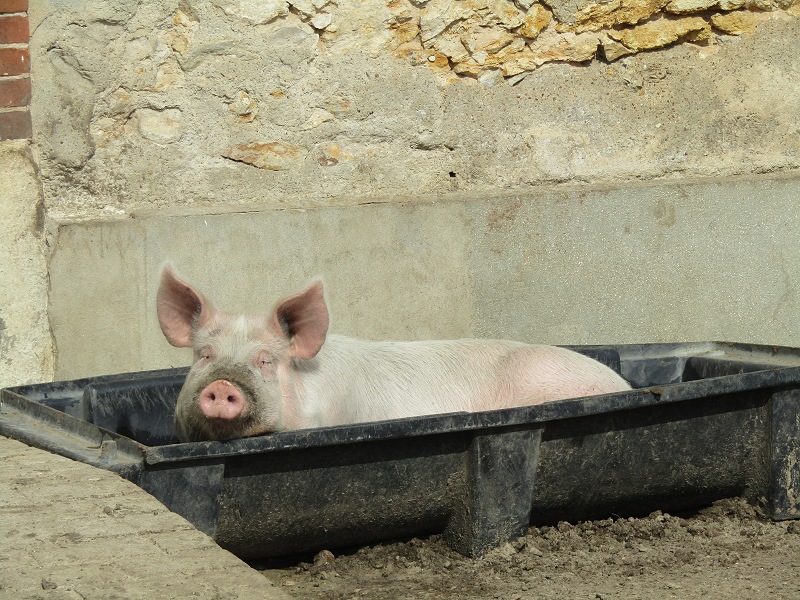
221,400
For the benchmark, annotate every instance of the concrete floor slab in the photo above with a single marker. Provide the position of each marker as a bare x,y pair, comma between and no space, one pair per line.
71,531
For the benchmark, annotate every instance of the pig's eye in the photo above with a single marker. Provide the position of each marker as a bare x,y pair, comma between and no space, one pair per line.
264,360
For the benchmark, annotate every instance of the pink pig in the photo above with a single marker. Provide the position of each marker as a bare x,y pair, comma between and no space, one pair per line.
281,370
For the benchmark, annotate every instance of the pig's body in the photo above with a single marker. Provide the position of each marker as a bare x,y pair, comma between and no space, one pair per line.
282,371
352,381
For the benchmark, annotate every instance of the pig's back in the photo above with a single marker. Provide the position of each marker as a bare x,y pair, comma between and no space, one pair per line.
354,380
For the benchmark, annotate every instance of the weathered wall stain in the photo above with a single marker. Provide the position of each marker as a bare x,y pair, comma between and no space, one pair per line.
502,218
665,213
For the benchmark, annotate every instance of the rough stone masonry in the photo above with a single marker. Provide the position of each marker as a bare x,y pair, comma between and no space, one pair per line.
298,103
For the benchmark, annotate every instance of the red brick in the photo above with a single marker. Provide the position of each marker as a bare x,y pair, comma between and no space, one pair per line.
15,92
9,6
14,61
15,125
14,29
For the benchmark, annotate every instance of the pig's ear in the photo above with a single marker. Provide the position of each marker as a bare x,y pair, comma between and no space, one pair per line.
180,308
303,318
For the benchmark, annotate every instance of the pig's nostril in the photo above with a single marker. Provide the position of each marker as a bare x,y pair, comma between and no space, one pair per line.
230,398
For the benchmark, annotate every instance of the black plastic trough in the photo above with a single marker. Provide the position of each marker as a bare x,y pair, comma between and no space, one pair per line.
707,420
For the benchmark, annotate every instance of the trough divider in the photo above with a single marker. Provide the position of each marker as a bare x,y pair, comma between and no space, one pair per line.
501,474
784,470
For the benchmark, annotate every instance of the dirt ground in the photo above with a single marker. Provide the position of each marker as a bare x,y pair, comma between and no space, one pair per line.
723,551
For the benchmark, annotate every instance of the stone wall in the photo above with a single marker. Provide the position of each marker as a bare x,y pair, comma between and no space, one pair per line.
316,103
230,108
26,350
495,39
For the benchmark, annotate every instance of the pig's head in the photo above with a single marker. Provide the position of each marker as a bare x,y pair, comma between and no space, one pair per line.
240,380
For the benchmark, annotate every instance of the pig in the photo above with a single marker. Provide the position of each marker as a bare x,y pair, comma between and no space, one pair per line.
282,370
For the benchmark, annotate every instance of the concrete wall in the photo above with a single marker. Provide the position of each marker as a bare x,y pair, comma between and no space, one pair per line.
427,157
26,350
643,263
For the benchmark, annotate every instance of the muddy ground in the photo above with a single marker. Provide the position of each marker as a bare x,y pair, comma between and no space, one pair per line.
723,551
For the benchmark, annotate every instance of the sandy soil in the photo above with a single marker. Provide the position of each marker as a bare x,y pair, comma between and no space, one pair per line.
723,551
